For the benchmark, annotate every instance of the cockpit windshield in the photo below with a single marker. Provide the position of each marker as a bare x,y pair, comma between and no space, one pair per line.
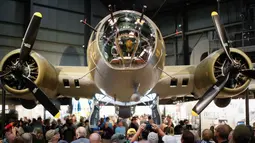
127,41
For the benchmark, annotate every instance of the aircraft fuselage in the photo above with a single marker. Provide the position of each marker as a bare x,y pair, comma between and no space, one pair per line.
126,60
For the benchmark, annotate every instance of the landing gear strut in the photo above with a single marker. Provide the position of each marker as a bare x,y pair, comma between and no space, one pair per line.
3,109
94,115
156,116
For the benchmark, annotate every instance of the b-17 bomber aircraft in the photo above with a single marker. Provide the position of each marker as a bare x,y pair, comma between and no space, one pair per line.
126,62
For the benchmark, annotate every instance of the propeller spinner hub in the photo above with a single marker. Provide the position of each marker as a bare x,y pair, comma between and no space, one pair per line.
222,67
28,69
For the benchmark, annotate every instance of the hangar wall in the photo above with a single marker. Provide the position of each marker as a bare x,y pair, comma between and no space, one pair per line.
61,34
198,27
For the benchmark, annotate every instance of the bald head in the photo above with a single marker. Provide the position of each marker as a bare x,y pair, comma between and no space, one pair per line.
95,138
81,132
207,135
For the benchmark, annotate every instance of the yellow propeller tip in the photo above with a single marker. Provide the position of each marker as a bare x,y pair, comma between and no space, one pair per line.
194,113
214,13
57,115
38,14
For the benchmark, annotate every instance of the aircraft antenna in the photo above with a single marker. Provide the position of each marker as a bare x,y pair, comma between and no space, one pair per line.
111,12
143,11
155,14
85,23
166,73
87,73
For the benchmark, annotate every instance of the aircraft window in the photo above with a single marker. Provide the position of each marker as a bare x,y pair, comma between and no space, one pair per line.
76,83
173,82
127,42
185,82
66,83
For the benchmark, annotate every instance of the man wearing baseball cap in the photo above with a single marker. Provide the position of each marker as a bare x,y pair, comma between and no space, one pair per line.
52,136
130,133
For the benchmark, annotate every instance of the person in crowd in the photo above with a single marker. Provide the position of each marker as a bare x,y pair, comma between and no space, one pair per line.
86,125
10,133
150,120
101,123
169,139
54,124
74,121
52,136
186,125
196,136
37,136
27,137
68,131
134,123
107,120
187,137
95,138
178,130
80,136
242,134
59,123
168,128
153,137
81,123
18,140
118,138
120,128
130,133
221,133
207,136
169,121
107,133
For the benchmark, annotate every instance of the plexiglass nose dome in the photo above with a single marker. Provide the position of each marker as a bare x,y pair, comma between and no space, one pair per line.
128,42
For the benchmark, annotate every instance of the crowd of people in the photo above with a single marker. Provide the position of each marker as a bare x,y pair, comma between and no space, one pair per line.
135,130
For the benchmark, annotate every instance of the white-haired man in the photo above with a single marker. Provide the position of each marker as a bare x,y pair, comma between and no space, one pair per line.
80,136
95,138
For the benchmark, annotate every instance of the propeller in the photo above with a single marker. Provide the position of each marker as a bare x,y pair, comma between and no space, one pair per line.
18,69
249,73
222,34
232,67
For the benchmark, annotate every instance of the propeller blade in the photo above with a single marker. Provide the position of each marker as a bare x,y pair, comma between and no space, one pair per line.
30,36
2,74
222,34
42,98
209,95
249,73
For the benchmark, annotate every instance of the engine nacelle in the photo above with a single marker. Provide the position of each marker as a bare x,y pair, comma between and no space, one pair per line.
212,68
37,68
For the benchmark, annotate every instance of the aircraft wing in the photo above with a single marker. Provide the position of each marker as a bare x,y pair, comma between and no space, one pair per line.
86,87
175,81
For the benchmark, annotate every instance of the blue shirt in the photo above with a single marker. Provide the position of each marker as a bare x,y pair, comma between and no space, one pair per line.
81,140
120,130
